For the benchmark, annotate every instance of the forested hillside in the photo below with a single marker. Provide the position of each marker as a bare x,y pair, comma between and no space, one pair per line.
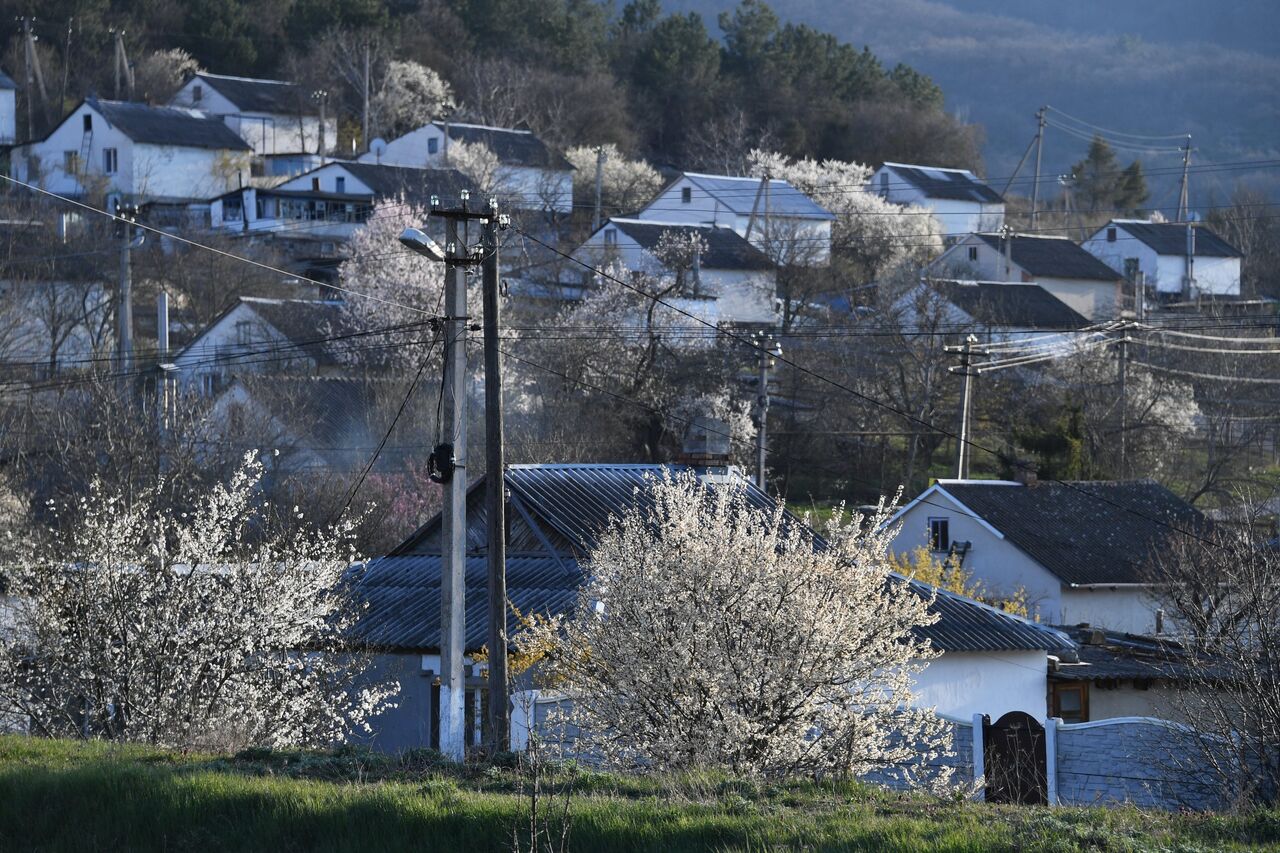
676,88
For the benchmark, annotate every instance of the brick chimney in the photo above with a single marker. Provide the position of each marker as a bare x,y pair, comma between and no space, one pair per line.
706,444
1026,475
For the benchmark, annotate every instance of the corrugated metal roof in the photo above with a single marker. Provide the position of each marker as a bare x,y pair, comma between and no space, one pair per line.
739,195
1055,257
577,502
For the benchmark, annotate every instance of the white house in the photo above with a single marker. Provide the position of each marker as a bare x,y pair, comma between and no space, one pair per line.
732,280
256,335
1175,259
136,152
279,119
331,201
991,662
8,110
1087,285
1078,551
532,176
786,224
961,201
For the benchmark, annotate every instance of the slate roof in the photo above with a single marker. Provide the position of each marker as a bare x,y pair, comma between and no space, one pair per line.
1088,532
149,125
738,194
513,147
1029,306
1054,257
304,322
726,248
1102,654
262,96
574,503
1170,238
948,184
387,181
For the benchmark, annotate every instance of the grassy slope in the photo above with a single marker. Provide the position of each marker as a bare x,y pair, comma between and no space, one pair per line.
58,795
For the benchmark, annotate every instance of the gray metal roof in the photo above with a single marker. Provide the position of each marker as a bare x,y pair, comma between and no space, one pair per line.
262,96
574,504
512,146
739,195
949,184
1170,238
1055,257
1028,306
150,125
726,248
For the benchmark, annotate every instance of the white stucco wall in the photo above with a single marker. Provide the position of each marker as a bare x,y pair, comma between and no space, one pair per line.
1128,701
8,116
1096,300
961,684
1212,275
206,354
957,218
268,133
1130,609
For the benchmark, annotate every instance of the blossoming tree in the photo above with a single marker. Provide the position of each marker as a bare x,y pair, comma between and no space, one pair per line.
201,629
713,633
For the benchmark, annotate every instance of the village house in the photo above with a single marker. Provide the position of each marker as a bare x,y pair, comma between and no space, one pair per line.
772,215
991,662
1176,260
995,311
961,201
281,120
295,333
332,201
1074,276
731,281
1079,550
8,110
135,153
532,176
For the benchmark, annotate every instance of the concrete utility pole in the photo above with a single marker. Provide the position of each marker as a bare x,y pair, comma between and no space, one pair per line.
596,217
35,77
499,722
1123,368
768,351
121,62
1035,186
124,289
1183,204
967,352
322,96
364,121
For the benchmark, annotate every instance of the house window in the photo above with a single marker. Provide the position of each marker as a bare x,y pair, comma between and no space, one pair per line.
433,145
940,534
686,195
244,332
209,384
339,185
1071,701
611,236
71,162
88,123
315,185
197,93
1111,235
110,161
1131,269
884,183
973,253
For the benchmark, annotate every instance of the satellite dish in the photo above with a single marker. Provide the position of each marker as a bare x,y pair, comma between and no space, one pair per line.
378,147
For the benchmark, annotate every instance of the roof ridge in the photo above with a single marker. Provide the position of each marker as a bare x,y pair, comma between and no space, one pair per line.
934,168
482,126
246,79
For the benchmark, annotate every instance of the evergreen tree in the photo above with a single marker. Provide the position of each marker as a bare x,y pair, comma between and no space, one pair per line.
1101,185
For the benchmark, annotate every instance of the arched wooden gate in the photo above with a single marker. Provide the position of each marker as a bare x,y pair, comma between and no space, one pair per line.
1013,753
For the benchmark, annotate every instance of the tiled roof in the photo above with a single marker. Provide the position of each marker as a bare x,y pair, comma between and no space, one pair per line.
1053,257
1029,306
575,503
1089,532
948,184
168,126
1170,238
739,195
726,248
262,96
513,147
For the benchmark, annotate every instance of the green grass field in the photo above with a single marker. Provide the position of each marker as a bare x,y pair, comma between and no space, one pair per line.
59,795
